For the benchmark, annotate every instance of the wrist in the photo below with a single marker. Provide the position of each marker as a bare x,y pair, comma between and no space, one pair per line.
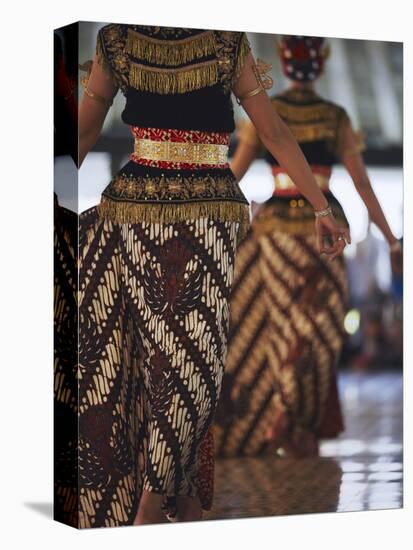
322,204
323,212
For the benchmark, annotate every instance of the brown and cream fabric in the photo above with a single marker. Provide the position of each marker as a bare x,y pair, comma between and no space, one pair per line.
153,322
288,303
287,312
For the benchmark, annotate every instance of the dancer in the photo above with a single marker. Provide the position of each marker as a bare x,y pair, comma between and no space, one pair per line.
288,303
156,267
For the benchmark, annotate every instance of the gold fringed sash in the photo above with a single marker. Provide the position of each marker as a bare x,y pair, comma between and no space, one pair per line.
170,52
166,81
133,212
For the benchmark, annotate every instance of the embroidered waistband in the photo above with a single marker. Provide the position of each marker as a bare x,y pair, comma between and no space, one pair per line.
180,149
284,185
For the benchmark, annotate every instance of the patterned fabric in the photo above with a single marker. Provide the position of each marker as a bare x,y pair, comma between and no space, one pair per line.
285,339
153,321
66,468
180,136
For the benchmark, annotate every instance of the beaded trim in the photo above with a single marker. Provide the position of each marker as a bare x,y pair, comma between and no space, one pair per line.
189,153
129,187
166,199
118,50
170,52
173,80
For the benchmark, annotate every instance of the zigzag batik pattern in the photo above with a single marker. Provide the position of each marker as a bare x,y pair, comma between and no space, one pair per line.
153,322
287,313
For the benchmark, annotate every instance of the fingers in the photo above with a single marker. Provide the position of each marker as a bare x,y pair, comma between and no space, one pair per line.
339,237
346,234
336,249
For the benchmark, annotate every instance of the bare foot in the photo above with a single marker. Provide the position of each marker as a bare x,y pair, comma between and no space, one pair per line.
150,509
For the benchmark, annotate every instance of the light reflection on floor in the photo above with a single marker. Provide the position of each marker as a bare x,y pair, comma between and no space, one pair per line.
361,470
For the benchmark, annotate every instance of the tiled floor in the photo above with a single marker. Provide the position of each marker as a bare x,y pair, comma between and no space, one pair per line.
361,470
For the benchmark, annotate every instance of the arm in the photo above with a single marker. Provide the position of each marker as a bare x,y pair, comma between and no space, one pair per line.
277,138
354,164
94,106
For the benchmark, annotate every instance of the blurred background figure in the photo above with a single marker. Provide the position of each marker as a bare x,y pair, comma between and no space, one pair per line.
288,306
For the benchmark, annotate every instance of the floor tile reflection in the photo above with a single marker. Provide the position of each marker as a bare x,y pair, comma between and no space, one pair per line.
361,470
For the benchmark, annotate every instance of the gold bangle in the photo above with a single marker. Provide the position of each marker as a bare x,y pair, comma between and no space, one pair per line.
324,212
252,93
98,97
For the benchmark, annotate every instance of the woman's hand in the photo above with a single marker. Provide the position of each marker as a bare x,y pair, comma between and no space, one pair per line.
331,237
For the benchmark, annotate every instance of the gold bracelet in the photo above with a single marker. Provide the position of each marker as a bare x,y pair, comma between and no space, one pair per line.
252,93
98,97
324,212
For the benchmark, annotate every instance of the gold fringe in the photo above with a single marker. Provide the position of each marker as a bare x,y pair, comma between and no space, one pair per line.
243,50
132,212
166,81
170,52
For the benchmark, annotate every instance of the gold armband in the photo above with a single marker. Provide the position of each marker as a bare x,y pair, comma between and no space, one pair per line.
87,67
98,97
264,80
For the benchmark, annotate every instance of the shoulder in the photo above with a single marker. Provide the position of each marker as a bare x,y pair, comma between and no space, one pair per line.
234,43
314,106
339,110
111,51
112,36
230,36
